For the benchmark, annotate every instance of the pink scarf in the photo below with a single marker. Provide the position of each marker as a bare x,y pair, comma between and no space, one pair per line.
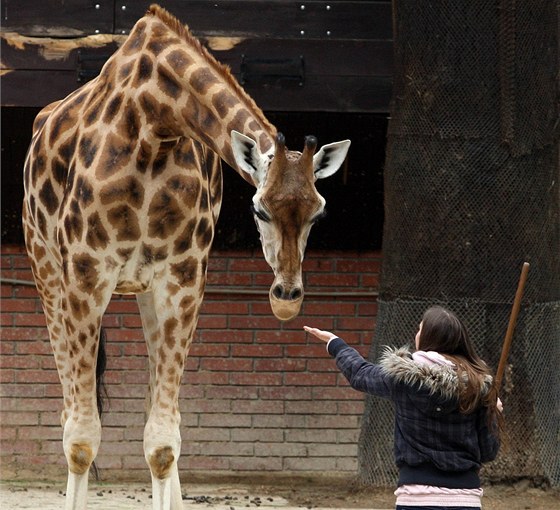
431,358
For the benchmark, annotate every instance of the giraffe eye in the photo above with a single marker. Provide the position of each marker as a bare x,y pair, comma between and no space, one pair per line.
261,215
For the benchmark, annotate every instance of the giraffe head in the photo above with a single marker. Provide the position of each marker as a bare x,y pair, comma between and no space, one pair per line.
285,206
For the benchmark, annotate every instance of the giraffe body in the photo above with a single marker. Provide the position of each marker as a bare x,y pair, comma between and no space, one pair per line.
123,189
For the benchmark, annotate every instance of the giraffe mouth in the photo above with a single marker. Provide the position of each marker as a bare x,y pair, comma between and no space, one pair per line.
285,309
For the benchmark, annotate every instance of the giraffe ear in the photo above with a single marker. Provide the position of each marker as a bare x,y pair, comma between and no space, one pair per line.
329,158
247,155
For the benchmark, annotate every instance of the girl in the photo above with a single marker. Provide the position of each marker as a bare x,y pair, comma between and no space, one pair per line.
448,415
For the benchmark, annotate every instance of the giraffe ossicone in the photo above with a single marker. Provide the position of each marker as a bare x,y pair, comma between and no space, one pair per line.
123,188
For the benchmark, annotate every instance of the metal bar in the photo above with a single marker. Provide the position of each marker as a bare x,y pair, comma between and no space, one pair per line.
233,290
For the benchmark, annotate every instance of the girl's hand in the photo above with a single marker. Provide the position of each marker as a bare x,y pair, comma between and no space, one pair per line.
500,406
325,336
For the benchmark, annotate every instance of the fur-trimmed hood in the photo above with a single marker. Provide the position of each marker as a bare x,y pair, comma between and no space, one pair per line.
441,380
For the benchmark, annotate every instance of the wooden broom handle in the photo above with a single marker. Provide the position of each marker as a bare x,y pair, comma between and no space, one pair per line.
511,326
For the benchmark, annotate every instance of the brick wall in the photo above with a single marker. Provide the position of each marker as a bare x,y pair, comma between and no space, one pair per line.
257,395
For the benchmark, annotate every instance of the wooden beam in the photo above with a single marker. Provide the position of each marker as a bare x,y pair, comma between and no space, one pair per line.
35,88
312,19
353,76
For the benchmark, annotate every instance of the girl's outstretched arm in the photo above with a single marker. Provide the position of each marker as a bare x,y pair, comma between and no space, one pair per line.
360,373
325,336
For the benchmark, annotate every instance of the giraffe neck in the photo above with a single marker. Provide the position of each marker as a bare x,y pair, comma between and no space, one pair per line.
184,91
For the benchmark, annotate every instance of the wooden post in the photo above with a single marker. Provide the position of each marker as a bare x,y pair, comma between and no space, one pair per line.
511,326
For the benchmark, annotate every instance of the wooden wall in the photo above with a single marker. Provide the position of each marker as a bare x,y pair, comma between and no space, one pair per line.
290,56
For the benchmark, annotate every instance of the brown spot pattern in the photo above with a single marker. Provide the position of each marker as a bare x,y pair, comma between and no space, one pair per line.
186,188
82,338
48,197
202,79
67,149
85,271
144,156
124,72
125,253
164,215
187,317
203,205
238,122
204,233
59,170
183,155
73,226
168,332
185,239
166,125
223,102
149,106
60,122
80,308
179,61
39,164
185,272
84,192
97,236
135,41
128,190
87,149
116,154
113,108
128,125
143,72
93,110
168,83
152,254
125,222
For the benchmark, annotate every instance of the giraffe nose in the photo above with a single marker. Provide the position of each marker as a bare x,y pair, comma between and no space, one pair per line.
279,292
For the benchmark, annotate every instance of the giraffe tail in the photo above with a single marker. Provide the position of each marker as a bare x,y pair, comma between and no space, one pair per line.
101,389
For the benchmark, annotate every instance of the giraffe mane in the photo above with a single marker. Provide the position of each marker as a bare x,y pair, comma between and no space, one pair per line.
184,32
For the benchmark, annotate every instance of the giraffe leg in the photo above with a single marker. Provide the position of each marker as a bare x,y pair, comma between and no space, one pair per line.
47,273
150,327
168,339
83,309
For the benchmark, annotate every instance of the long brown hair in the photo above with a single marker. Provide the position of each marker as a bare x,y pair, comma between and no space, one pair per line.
443,332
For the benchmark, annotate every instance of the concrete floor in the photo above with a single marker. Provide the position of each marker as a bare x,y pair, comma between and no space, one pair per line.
47,496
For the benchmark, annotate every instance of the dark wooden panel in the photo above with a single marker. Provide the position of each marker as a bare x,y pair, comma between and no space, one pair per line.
327,94
273,18
32,88
36,88
21,52
331,57
261,18
58,18
339,74
328,57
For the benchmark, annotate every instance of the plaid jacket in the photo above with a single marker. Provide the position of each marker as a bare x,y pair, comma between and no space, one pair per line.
434,443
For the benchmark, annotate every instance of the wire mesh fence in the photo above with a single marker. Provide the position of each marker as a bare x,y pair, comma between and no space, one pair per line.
472,191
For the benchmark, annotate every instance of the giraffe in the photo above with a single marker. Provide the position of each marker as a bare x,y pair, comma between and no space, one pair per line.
123,188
